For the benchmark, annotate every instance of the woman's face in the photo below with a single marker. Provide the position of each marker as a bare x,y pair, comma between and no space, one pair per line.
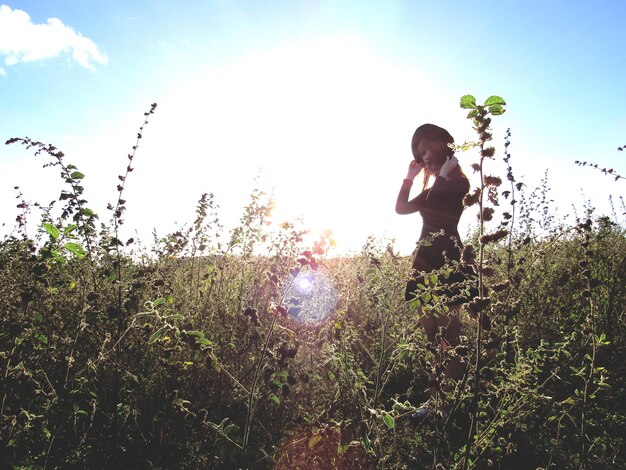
432,153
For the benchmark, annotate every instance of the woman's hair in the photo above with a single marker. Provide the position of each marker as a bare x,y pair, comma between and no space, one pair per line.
437,134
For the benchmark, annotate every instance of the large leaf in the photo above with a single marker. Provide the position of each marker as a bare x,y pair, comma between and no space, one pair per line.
496,110
468,102
77,175
76,249
52,230
493,100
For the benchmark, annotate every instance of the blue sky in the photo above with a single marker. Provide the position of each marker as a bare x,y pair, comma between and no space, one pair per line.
320,97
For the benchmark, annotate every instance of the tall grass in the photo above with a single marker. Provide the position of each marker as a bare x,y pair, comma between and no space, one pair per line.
208,350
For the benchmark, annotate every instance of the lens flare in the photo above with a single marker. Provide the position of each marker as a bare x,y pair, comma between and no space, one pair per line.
311,296
304,283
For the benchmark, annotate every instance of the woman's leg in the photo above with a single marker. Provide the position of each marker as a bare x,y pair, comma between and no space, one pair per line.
429,323
451,338
455,368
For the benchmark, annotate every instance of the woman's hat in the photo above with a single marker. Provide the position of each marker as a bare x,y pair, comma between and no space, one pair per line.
429,131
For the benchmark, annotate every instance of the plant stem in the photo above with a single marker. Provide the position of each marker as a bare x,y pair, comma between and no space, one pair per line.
477,365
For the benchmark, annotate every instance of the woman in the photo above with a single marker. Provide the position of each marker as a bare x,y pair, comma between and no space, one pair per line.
440,206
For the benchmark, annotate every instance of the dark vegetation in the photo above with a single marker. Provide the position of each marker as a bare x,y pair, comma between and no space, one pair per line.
210,351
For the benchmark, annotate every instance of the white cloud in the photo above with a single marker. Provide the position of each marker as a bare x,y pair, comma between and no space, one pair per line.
23,41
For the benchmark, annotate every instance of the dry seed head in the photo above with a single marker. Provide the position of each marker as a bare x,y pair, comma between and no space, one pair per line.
487,214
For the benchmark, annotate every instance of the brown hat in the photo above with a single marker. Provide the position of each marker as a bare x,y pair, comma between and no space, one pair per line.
429,131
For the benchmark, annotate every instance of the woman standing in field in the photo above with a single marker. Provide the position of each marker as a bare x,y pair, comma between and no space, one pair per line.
440,206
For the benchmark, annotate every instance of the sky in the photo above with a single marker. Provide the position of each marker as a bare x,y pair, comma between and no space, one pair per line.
313,101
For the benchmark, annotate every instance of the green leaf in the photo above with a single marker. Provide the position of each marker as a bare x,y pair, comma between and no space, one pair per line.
159,301
77,175
56,256
230,428
52,230
41,337
496,110
194,333
468,102
155,337
389,421
69,229
493,100
76,249
275,399
88,212
203,342
314,440
281,373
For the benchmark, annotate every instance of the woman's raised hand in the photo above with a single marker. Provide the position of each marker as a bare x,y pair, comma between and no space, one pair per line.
414,169
450,164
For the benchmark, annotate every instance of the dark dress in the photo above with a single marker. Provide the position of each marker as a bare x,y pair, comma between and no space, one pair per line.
441,207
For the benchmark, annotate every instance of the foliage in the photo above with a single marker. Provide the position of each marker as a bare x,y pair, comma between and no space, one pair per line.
228,350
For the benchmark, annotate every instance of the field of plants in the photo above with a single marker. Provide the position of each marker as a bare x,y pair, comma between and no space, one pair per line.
252,348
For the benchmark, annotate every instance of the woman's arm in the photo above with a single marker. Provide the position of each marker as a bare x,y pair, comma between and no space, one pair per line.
403,205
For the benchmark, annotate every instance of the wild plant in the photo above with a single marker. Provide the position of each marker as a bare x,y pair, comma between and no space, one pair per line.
508,221
479,115
369,346
606,171
118,210
202,241
25,211
82,217
226,352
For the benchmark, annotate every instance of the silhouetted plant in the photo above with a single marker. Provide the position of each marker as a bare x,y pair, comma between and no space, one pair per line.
225,350
606,171
75,206
479,114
